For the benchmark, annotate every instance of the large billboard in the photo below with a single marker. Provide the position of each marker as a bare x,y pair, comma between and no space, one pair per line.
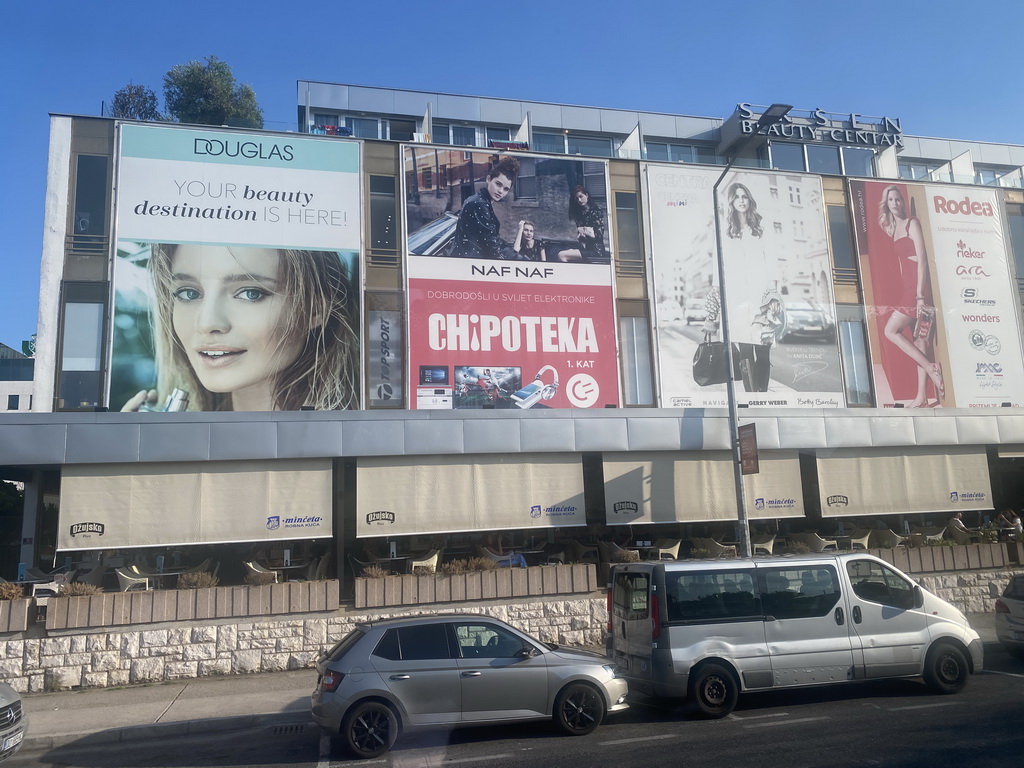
940,302
236,282
510,283
778,287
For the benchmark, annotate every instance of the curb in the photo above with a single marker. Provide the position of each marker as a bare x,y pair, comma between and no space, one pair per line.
158,731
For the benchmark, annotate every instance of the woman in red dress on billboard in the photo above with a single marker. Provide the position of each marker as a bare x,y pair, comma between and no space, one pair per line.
914,309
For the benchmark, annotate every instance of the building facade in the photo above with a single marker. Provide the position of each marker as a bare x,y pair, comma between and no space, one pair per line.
428,316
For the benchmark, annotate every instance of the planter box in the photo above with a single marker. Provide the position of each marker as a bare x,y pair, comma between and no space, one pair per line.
154,606
14,615
500,583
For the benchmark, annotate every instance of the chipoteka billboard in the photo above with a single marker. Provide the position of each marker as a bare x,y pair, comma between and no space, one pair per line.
510,283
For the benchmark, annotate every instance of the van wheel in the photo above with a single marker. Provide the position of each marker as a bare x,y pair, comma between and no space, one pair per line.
714,690
579,709
945,669
369,729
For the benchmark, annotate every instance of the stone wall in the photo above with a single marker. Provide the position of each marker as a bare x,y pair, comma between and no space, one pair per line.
970,591
101,658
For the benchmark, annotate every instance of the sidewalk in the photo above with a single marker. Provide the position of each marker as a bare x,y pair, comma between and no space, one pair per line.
161,710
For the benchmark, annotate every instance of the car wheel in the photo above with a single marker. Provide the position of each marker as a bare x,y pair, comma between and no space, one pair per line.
369,729
945,669
714,690
579,709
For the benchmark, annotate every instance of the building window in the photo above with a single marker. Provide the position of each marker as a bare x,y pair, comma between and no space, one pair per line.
440,133
841,240
657,151
990,175
526,182
325,120
549,142
363,127
463,136
497,134
787,156
858,161
627,227
585,145
12,402
915,170
636,361
383,213
401,130
81,374
853,349
1015,223
823,159
794,194
705,155
90,198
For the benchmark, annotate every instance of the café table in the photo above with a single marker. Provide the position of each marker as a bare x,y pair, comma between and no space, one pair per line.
397,564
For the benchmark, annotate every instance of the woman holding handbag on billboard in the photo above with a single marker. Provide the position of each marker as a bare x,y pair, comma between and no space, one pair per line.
914,311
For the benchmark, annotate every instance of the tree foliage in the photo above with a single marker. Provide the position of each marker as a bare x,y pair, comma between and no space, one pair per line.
135,102
207,94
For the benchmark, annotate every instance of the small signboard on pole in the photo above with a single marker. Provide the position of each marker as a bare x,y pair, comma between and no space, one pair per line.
748,449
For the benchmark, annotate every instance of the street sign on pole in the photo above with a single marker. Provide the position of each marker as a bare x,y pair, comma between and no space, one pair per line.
748,449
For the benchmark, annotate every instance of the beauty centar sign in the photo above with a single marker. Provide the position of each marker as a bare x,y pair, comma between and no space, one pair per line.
816,126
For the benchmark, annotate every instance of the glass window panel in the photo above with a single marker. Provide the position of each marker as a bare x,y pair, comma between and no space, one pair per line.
800,593
627,225
706,155
657,151
322,119
699,596
91,195
549,142
363,127
83,337
441,133
401,130
858,162
1015,223
823,159
786,156
854,351
497,134
682,153
12,402
383,213
841,237
464,135
424,642
584,145
636,361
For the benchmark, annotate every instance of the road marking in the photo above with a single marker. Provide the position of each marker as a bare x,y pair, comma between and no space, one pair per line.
478,759
758,717
997,672
925,706
324,760
634,741
785,722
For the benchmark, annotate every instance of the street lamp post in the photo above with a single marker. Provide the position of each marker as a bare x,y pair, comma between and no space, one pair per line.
770,116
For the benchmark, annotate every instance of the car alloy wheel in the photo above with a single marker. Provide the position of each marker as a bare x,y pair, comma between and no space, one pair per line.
579,709
370,729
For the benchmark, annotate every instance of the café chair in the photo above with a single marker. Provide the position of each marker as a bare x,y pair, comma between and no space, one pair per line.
665,549
127,579
813,541
582,553
254,567
885,538
94,577
860,538
713,548
764,544
427,561
502,560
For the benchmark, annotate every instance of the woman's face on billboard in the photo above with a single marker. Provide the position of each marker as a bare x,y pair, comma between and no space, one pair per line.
895,202
229,315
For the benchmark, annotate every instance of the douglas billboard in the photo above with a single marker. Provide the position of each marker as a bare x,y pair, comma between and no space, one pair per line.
236,273
509,282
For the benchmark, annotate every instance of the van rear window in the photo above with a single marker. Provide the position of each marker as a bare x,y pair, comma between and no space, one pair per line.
711,595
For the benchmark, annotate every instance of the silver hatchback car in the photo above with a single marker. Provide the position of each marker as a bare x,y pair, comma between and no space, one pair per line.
455,670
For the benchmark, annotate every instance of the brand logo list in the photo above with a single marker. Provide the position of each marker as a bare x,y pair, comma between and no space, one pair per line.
380,517
762,503
965,207
957,497
838,500
252,150
973,296
625,508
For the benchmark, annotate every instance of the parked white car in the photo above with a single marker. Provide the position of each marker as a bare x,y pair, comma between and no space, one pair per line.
13,722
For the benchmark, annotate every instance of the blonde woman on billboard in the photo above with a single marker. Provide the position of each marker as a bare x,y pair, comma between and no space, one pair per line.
914,311
252,329
756,315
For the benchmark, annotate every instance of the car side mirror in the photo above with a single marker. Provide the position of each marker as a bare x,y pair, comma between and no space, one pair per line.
918,597
527,652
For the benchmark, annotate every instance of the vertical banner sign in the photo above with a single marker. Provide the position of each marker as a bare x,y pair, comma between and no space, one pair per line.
939,298
387,358
510,282
749,464
781,308
236,282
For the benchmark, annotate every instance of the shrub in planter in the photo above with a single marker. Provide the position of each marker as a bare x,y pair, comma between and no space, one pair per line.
77,589
626,556
197,580
9,591
454,567
700,553
375,572
481,564
260,579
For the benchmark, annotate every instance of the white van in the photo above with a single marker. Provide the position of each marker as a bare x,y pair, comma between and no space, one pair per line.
708,629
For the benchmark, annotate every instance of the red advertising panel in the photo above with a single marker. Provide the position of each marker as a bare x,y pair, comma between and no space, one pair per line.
939,299
509,282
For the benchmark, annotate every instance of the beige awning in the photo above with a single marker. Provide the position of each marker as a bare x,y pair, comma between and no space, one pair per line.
111,506
696,486
885,481
400,495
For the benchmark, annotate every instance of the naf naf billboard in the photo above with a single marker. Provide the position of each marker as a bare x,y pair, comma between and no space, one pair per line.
941,305
510,282
236,282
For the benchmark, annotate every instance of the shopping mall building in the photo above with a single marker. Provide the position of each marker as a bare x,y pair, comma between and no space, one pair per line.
429,316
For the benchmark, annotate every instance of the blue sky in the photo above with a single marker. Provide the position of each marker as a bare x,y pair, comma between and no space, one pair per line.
945,67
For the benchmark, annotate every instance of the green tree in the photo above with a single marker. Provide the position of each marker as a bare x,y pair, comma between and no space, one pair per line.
135,102
206,93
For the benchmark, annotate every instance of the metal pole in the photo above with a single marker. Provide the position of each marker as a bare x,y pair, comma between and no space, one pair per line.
730,383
